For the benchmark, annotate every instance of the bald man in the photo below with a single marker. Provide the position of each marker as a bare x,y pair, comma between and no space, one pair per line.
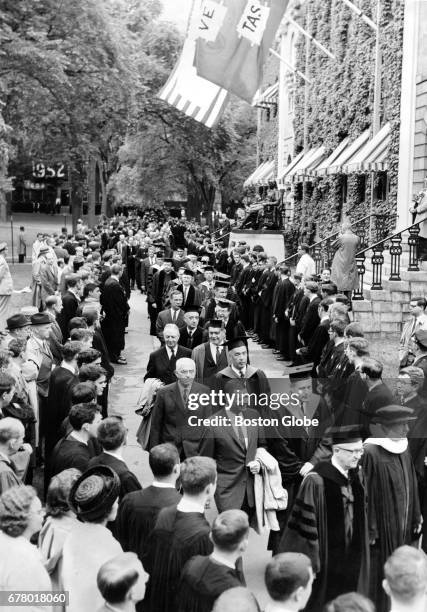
174,405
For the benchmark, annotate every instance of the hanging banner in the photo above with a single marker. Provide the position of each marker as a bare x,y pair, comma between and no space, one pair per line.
234,60
209,20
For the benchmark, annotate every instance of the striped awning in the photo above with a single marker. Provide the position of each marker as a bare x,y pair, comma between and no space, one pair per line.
266,169
282,177
268,98
322,168
267,175
308,163
347,153
373,155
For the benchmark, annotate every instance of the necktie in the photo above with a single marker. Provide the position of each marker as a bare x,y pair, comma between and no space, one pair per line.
174,316
348,501
242,375
185,397
218,354
172,361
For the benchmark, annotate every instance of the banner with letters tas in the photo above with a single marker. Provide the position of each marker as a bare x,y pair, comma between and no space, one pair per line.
233,39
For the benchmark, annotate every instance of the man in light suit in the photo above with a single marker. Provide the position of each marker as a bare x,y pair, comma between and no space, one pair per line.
162,363
172,410
174,314
211,357
233,447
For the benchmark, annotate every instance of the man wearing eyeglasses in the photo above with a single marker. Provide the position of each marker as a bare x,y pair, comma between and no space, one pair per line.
329,524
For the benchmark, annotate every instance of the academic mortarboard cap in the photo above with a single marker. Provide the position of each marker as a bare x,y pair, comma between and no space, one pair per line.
421,337
225,303
393,415
192,309
216,323
222,284
160,254
188,272
222,276
345,434
168,260
44,250
236,342
208,269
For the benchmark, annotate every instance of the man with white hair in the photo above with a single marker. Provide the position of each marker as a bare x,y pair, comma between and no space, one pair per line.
405,579
162,363
171,411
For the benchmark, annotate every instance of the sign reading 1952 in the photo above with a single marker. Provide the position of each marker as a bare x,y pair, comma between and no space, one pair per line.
41,170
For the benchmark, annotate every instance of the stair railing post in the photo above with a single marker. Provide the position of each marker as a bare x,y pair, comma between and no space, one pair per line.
395,254
318,258
413,248
360,263
377,260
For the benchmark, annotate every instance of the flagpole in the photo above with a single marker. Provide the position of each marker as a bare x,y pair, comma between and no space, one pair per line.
291,68
308,41
310,37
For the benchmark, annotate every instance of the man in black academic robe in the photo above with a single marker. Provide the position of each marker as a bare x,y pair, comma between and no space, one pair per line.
394,516
138,511
205,578
116,309
181,532
254,380
328,523
282,295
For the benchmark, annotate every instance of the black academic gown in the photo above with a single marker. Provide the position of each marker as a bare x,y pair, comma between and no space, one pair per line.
176,538
393,509
203,580
316,528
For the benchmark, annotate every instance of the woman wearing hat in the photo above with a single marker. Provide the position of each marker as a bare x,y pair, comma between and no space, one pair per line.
94,500
6,285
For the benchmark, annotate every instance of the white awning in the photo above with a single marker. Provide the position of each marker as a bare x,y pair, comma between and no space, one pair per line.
282,176
267,175
322,168
266,169
374,152
250,180
347,153
308,162
269,97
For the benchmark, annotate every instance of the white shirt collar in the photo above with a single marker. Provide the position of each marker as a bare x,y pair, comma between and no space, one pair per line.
338,467
116,454
325,318
67,366
275,606
313,297
187,505
216,556
238,371
162,485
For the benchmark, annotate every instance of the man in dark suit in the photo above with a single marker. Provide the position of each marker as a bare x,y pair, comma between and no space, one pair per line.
161,281
62,380
211,356
174,405
138,511
266,298
174,314
311,316
70,302
146,264
111,434
162,363
234,448
283,292
116,309
191,334
379,394
233,327
313,351
191,294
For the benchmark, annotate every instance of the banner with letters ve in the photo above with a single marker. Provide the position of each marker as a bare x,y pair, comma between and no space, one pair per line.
233,41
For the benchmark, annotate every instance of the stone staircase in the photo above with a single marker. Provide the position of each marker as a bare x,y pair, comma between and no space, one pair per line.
382,312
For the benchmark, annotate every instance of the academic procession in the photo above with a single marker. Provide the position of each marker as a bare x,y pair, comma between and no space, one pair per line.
213,382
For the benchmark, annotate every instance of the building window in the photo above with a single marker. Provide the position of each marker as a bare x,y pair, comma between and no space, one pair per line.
267,114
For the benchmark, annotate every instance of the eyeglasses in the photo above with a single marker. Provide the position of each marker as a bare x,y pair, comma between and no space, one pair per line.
356,451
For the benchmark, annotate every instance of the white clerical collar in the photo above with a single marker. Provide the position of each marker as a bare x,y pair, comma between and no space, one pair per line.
325,318
397,447
188,505
216,556
238,372
313,297
68,367
162,485
338,467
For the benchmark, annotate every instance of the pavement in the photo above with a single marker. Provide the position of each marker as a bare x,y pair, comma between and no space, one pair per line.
124,393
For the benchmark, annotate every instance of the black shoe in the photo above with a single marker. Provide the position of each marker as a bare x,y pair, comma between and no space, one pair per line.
265,346
280,358
276,352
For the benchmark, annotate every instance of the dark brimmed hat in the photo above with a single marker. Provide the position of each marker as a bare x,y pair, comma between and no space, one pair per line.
17,321
41,318
44,250
393,415
93,495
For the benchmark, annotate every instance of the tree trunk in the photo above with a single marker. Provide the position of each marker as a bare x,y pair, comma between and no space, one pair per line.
91,196
76,192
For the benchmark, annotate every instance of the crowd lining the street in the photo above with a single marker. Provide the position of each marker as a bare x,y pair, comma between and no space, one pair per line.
342,493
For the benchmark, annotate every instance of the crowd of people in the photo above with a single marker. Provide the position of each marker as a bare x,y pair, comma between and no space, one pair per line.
328,459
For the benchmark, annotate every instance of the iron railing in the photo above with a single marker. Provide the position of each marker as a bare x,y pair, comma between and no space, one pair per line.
393,244
372,227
